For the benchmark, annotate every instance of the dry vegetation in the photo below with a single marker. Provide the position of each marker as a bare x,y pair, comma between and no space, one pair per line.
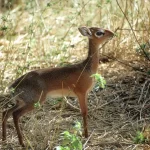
38,34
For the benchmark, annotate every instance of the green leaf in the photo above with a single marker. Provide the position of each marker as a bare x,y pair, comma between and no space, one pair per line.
37,105
148,72
139,139
4,28
108,1
62,148
77,126
48,4
101,82
70,141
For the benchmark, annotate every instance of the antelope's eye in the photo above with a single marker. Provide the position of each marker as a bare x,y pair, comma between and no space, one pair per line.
99,33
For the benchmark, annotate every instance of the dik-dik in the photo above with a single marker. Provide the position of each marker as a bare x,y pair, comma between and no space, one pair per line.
74,81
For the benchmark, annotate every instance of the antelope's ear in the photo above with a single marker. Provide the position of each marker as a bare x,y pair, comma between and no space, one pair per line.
85,31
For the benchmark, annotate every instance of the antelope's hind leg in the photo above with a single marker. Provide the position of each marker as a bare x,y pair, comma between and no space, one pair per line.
5,115
16,115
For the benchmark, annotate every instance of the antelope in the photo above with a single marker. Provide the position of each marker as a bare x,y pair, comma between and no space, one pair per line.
73,81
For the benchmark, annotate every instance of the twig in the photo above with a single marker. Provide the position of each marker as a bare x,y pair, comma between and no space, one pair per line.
132,31
75,18
143,107
37,3
67,102
88,139
141,95
118,144
124,63
104,105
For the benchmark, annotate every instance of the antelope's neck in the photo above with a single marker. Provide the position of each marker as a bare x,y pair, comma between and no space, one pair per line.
92,60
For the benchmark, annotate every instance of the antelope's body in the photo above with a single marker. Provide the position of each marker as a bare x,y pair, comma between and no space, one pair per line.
74,80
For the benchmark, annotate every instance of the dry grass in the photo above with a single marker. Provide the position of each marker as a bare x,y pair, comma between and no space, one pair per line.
38,34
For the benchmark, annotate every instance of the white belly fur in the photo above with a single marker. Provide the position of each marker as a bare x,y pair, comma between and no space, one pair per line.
65,92
61,93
